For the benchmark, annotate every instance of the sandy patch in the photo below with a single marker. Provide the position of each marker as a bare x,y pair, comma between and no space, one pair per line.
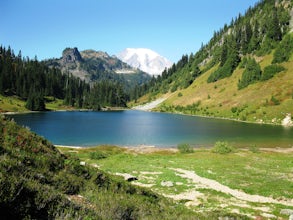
66,146
278,150
193,196
150,173
143,149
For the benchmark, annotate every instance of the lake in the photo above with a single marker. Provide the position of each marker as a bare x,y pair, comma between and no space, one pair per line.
135,128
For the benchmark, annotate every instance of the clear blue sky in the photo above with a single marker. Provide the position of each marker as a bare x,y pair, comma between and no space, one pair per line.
169,27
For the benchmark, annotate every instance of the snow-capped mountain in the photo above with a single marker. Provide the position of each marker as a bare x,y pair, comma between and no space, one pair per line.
145,59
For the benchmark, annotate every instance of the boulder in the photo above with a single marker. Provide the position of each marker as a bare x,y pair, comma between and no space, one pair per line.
286,212
287,121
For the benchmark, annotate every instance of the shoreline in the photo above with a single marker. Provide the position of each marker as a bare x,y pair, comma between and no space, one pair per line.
120,146
145,149
142,149
220,118
153,105
149,110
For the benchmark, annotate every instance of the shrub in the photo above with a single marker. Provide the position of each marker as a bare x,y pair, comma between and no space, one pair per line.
68,183
270,71
185,148
222,148
73,166
243,62
234,109
254,149
180,94
275,101
98,155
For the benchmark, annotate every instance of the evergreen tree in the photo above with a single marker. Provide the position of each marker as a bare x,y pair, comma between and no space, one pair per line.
284,50
274,30
251,74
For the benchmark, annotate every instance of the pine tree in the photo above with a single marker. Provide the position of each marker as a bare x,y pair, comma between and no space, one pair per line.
251,74
274,30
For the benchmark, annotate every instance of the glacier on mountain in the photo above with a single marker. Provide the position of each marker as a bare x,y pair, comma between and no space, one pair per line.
145,59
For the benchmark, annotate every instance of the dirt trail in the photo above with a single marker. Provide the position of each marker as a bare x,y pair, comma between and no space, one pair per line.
212,184
150,105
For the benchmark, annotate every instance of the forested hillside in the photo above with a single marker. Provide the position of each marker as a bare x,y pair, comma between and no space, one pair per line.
243,71
36,84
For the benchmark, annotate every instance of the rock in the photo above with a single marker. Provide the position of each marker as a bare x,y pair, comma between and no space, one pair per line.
82,163
133,178
41,178
196,203
269,216
286,212
287,121
127,176
291,217
167,183
71,55
226,218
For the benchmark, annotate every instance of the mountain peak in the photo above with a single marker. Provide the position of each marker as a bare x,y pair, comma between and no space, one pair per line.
145,59
71,55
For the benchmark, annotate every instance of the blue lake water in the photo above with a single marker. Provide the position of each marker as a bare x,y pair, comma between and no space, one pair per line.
134,128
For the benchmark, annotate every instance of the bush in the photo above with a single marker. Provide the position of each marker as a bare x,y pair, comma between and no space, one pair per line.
185,148
270,71
98,155
254,149
222,148
68,183
275,101
234,109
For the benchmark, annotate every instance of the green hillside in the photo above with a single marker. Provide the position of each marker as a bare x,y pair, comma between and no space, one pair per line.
245,72
266,101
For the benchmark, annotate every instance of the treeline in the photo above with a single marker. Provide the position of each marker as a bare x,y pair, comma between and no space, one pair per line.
33,81
263,28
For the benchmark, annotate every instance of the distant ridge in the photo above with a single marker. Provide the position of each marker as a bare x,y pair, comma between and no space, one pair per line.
92,66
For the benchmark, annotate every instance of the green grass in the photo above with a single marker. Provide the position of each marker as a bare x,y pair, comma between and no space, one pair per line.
53,104
15,104
11,104
254,172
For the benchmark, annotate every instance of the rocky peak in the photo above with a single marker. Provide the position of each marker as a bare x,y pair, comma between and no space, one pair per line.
71,55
